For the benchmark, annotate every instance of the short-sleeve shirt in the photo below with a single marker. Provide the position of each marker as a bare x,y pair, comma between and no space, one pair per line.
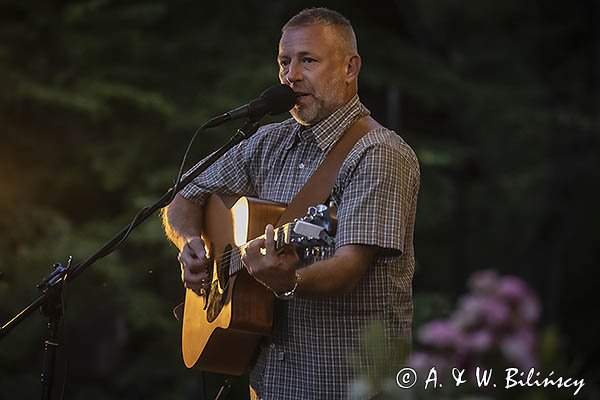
310,353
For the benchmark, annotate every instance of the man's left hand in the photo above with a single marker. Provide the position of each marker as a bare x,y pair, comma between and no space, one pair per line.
274,269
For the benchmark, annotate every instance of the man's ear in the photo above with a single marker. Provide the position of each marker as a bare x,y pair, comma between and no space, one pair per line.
353,68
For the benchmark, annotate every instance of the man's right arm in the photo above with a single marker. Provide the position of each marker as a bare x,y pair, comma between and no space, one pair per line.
182,221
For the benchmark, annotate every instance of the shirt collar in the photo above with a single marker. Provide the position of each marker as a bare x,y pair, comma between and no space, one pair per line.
326,132
329,130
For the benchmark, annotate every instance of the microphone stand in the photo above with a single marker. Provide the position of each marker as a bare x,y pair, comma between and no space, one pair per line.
51,300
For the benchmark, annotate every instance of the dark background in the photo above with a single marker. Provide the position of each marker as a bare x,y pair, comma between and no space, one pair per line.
98,99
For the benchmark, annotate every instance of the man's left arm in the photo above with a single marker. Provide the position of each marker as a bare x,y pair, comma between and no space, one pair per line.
336,275
373,216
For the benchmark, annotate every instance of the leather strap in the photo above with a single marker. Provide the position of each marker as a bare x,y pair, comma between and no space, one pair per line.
318,187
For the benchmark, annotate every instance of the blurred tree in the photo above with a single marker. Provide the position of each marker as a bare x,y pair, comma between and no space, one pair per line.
98,99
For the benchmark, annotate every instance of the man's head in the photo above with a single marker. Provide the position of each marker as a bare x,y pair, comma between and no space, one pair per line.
318,58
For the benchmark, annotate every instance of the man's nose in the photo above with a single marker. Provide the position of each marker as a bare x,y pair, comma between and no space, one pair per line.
294,72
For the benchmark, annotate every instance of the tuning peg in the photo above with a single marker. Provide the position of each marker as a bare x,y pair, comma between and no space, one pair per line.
321,209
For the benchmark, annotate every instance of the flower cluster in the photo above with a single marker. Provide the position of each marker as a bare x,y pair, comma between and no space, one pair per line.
493,324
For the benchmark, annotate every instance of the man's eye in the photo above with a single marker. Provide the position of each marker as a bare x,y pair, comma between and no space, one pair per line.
308,60
284,63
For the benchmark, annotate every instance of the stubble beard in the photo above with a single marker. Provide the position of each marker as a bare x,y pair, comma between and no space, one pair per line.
319,108
307,114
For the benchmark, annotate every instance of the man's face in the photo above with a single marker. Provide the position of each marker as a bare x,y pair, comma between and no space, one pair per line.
313,65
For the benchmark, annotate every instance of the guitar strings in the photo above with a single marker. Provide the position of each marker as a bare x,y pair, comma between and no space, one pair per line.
227,256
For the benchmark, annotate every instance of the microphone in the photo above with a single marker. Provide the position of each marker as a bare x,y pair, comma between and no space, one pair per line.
275,100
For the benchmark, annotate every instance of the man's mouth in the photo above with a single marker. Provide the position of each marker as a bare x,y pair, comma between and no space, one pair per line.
300,96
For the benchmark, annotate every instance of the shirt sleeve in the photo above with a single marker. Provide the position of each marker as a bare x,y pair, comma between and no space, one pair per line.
378,197
229,175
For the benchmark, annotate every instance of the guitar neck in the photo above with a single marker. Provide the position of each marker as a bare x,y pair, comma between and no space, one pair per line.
234,257
308,254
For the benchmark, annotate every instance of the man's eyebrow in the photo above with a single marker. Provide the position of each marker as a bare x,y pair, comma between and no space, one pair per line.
299,55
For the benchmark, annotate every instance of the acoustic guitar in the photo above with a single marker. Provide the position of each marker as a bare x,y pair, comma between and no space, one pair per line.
224,325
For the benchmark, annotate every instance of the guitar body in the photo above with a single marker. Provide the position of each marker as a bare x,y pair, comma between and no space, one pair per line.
223,329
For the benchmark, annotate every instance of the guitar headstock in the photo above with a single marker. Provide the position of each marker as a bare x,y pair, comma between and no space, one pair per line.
312,234
315,226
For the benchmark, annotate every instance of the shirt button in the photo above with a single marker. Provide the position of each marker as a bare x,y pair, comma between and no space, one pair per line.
301,166
280,355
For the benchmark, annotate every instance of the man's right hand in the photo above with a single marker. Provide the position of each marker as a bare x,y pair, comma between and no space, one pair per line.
194,265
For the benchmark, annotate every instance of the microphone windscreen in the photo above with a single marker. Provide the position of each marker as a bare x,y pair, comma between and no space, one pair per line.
279,99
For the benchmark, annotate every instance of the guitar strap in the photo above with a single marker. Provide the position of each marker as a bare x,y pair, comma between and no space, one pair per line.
318,187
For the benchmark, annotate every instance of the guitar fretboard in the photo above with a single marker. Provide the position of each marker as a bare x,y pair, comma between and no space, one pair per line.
234,257
308,254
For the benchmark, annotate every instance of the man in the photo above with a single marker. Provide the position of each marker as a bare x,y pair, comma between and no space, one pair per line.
370,274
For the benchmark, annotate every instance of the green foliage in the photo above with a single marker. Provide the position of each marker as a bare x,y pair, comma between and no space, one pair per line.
98,99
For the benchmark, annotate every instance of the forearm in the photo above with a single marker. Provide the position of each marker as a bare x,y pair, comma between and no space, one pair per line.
279,270
337,275
182,220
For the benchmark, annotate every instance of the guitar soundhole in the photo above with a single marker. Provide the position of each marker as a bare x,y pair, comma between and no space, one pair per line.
214,302
218,288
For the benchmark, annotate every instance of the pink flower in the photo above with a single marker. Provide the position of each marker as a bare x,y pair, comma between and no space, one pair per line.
470,312
419,361
529,309
480,341
517,293
440,334
520,348
483,281
512,289
497,313
496,318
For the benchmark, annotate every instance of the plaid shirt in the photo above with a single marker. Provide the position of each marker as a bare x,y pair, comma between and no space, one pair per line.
308,355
